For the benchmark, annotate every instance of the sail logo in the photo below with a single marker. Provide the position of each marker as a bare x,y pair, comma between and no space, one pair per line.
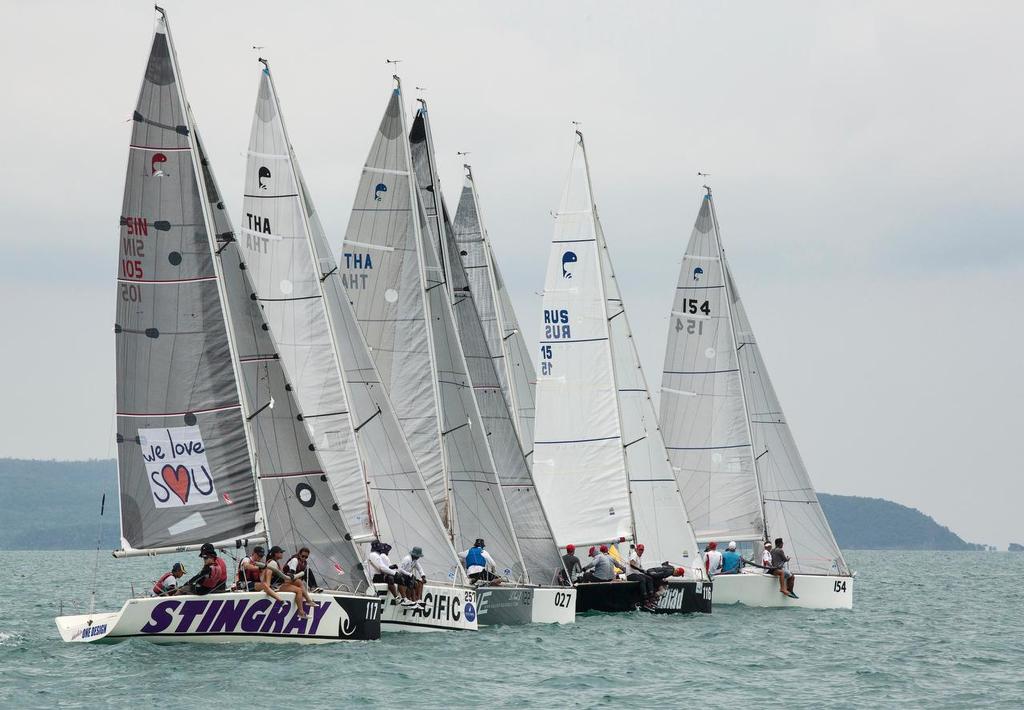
262,174
671,600
378,190
356,264
442,607
568,259
157,160
697,273
240,616
556,324
176,467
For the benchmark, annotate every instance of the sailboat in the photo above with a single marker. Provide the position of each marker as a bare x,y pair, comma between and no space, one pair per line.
732,450
599,460
209,449
344,406
538,597
505,340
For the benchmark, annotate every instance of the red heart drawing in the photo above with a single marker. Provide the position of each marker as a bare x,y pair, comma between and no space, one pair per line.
178,480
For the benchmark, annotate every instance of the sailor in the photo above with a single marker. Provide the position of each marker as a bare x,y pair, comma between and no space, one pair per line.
786,579
212,577
601,568
250,570
571,563
766,558
712,559
169,581
731,560
276,578
299,563
479,564
636,573
411,576
383,571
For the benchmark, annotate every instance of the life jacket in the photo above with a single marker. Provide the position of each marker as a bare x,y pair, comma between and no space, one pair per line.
300,565
158,588
218,574
248,575
475,557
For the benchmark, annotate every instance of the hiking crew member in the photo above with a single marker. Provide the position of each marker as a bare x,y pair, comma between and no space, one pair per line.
712,559
212,577
479,564
411,575
249,571
383,572
169,581
601,568
731,560
766,558
786,579
573,568
299,563
285,582
635,573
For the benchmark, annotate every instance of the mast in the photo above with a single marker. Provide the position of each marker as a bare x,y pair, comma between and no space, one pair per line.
208,223
736,346
603,247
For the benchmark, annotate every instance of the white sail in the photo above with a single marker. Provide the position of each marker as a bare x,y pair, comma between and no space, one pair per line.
578,461
703,415
505,339
383,494
659,516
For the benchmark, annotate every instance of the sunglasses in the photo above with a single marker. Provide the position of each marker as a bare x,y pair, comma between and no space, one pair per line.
303,557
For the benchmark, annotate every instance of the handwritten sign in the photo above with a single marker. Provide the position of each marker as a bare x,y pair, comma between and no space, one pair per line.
176,466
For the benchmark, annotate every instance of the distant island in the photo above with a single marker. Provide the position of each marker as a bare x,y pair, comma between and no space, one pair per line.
1016,547
55,505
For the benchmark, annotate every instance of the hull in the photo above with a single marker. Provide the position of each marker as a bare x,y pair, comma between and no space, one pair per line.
762,590
677,597
229,618
513,605
446,608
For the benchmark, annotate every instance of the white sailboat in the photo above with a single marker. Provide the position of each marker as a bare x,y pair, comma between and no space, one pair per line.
599,460
505,339
732,450
344,406
537,597
208,444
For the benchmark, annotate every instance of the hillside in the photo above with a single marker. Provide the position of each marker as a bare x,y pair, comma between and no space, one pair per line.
55,505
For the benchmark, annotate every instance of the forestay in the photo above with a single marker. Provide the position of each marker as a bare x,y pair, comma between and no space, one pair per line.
578,462
659,516
703,417
383,494
517,492
477,501
505,340
184,470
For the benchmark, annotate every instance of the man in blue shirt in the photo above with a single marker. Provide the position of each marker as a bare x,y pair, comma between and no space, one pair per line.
731,560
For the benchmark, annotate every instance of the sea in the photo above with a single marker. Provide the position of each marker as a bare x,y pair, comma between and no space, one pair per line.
928,629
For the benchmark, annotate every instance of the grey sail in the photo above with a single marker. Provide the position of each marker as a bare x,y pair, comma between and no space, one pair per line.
477,504
529,522
184,468
791,506
383,494
299,505
505,340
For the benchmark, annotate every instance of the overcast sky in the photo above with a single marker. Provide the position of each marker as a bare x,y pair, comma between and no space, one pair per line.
866,160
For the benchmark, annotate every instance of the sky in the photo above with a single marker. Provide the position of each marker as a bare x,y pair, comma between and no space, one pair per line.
866,160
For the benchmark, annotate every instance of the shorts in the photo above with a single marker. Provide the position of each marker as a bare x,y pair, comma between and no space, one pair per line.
381,578
483,576
405,580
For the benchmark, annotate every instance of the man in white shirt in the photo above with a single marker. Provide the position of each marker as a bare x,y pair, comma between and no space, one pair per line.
384,571
637,573
479,564
766,558
411,575
712,559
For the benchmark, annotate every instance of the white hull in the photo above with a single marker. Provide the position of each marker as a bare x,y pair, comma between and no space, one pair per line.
232,617
446,608
513,605
762,590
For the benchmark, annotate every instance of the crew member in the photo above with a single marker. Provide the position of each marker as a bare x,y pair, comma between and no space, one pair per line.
299,563
601,568
213,577
786,578
383,571
636,573
731,560
288,583
479,564
712,559
571,563
250,570
411,576
168,583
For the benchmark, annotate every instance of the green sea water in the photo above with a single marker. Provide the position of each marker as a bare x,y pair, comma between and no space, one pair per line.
927,630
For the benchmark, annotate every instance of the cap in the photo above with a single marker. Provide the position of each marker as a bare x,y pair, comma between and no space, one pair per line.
712,545
207,550
593,551
479,542
178,567
767,545
680,572
604,548
376,546
258,550
275,549
732,544
570,548
416,552
640,547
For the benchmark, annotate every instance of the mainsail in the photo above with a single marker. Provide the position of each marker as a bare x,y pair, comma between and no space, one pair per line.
734,453
517,492
578,461
374,475
505,340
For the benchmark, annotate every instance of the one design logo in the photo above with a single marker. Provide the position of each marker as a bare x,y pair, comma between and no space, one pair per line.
264,174
381,187
568,258
154,170
697,273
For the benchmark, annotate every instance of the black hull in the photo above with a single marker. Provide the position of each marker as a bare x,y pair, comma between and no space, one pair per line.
678,597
